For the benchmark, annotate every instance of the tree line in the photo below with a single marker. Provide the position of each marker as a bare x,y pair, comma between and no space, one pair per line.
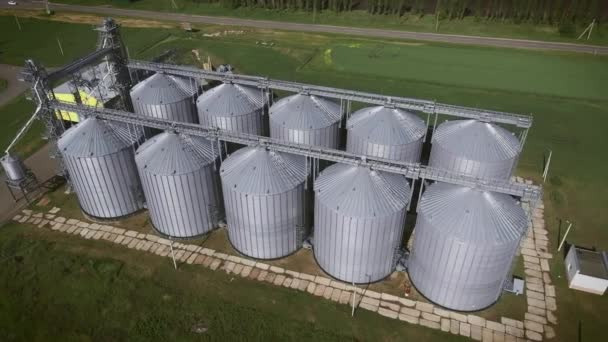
533,11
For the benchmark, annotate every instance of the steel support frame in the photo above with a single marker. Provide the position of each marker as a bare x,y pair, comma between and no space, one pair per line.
527,193
521,121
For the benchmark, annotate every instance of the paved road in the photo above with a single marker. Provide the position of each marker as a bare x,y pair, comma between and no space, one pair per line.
14,87
368,32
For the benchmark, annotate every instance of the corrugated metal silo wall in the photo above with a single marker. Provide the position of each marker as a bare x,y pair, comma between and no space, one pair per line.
251,123
183,111
408,153
360,250
442,159
456,274
266,226
183,205
326,137
106,186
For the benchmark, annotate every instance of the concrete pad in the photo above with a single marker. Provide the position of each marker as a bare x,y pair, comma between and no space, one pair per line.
513,331
390,305
311,288
429,324
246,271
191,259
476,333
319,290
431,317
336,294
445,324
409,319
328,292
215,264
303,285
254,274
279,279
465,329
388,313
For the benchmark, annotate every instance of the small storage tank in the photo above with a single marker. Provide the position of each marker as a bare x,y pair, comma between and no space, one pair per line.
475,148
464,245
232,107
265,199
306,119
359,221
167,97
384,132
13,167
99,158
181,184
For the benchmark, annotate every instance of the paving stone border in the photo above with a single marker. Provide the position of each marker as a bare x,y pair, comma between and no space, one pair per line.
540,294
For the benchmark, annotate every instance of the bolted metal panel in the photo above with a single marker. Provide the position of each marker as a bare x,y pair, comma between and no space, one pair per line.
265,200
166,97
475,148
181,184
384,132
464,245
359,221
232,107
306,119
98,156
13,167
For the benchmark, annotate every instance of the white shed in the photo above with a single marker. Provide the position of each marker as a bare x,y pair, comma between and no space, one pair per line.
587,270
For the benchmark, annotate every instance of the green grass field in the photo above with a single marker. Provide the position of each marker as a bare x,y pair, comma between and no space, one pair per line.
62,288
3,84
468,26
563,91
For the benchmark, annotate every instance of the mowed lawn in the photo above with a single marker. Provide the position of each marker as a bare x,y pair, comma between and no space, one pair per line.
62,288
563,91
521,71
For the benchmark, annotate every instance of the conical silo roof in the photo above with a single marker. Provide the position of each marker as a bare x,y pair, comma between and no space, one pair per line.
476,140
303,111
161,88
356,191
171,153
230,99
256,170
472,215
93,137
386,126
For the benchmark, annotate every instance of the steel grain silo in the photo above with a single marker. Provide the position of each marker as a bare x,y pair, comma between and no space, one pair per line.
179,178
464,245
99,158
475,148
359,221
265,200
384,132
306,119
232,107
165,96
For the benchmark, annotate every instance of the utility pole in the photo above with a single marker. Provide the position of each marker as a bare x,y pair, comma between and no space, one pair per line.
18,23
173,255
565,235
352,314
546,170
437,15
588,31
60,47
